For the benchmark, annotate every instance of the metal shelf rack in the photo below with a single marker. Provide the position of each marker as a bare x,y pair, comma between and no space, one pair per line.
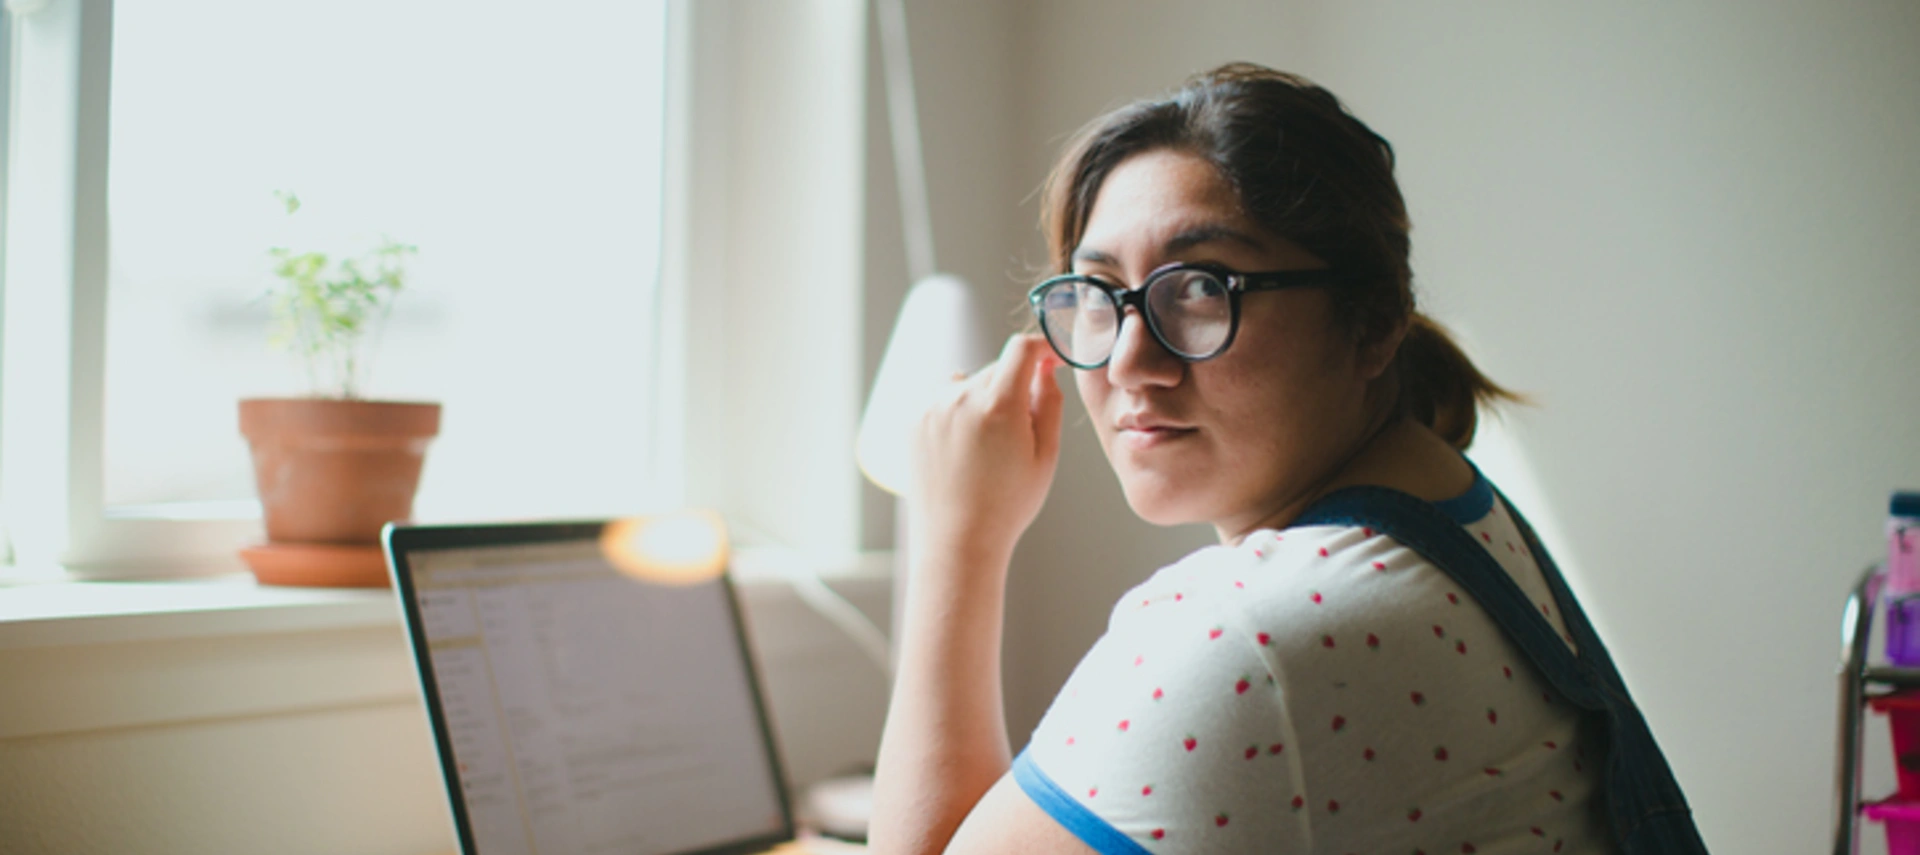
1860,682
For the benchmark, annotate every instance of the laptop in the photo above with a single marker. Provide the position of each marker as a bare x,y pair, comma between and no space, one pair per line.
578,709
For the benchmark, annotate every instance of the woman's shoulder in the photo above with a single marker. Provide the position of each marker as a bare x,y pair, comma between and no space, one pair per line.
1313,587
1328,668
1308,574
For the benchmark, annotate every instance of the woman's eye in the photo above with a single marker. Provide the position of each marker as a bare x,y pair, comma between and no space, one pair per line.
1200,288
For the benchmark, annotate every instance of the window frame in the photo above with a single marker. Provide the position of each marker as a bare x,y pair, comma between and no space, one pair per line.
727,184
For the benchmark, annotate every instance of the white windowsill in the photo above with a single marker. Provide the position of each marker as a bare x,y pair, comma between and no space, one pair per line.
67,613
74,613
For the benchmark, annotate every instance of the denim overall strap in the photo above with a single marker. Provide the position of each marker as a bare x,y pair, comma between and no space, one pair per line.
1644,805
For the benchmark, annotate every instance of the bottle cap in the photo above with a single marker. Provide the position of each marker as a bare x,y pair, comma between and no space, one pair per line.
1904,504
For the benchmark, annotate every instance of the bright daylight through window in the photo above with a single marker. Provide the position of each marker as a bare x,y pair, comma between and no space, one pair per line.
521,153
518,148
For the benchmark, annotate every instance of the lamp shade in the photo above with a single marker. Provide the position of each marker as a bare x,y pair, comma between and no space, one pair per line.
936,336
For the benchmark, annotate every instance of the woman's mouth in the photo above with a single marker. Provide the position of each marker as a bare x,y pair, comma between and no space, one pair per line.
1142,437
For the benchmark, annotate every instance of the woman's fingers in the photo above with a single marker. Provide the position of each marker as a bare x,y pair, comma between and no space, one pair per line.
984,458
1013,373
1047,403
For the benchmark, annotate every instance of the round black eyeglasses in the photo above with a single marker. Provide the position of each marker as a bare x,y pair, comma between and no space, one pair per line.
1193,310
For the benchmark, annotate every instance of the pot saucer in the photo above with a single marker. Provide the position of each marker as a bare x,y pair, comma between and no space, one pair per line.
317,565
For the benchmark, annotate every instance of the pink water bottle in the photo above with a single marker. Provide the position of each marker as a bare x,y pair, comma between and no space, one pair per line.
1902,589
1903,544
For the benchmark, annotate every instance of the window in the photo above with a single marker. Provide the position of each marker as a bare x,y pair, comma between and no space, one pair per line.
521,155
637,284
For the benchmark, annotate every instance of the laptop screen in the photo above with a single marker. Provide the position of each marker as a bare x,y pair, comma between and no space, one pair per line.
579,710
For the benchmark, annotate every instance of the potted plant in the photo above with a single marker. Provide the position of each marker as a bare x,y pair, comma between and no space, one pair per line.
334,467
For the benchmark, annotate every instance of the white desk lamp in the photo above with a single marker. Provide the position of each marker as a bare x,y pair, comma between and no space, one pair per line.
936,336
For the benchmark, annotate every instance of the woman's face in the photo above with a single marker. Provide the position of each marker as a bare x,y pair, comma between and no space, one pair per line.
1244,439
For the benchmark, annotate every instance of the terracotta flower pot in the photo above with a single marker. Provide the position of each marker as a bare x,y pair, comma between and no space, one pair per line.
330,473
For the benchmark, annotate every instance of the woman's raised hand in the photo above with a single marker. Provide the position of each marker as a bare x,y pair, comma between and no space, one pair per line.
984,456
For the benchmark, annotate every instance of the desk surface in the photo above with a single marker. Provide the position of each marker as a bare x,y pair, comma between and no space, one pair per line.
807,844
811,845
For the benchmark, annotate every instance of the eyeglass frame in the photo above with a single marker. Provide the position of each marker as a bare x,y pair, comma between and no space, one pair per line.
1237,283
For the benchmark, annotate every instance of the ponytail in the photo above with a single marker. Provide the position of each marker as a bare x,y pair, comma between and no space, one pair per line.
1438,386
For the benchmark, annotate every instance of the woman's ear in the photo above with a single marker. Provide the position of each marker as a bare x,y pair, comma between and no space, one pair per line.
1377,348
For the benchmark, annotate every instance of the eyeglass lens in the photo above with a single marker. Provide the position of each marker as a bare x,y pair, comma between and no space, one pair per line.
1190,311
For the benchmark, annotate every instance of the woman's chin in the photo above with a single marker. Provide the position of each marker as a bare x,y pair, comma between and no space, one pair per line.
1159,504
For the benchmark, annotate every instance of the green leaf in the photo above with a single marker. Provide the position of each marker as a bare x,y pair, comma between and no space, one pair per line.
323,309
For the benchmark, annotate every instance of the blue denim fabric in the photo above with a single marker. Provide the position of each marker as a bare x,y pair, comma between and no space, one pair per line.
1644,805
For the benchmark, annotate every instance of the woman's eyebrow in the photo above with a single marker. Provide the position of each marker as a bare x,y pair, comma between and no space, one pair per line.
1094,256
1182,241
1204,234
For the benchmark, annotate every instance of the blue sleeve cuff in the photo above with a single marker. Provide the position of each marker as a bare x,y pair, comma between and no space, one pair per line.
1072,815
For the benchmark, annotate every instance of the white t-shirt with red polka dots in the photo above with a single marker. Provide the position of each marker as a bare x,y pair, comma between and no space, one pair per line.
1322,690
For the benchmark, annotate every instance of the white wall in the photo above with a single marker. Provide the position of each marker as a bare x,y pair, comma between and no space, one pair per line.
778,416
1689,232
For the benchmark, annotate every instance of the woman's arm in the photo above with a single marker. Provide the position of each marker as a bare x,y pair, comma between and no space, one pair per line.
983,462
946,737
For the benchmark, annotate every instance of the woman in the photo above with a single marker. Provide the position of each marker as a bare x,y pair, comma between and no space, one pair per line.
1377,658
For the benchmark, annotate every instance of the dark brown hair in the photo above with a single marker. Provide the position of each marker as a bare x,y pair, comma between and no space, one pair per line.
1309,171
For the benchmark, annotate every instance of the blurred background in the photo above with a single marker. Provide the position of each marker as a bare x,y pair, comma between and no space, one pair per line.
1691,232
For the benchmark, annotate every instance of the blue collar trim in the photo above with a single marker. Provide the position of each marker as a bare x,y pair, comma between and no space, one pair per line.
1471,506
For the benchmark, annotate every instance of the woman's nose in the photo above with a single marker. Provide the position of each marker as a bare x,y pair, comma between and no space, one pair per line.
1139,359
